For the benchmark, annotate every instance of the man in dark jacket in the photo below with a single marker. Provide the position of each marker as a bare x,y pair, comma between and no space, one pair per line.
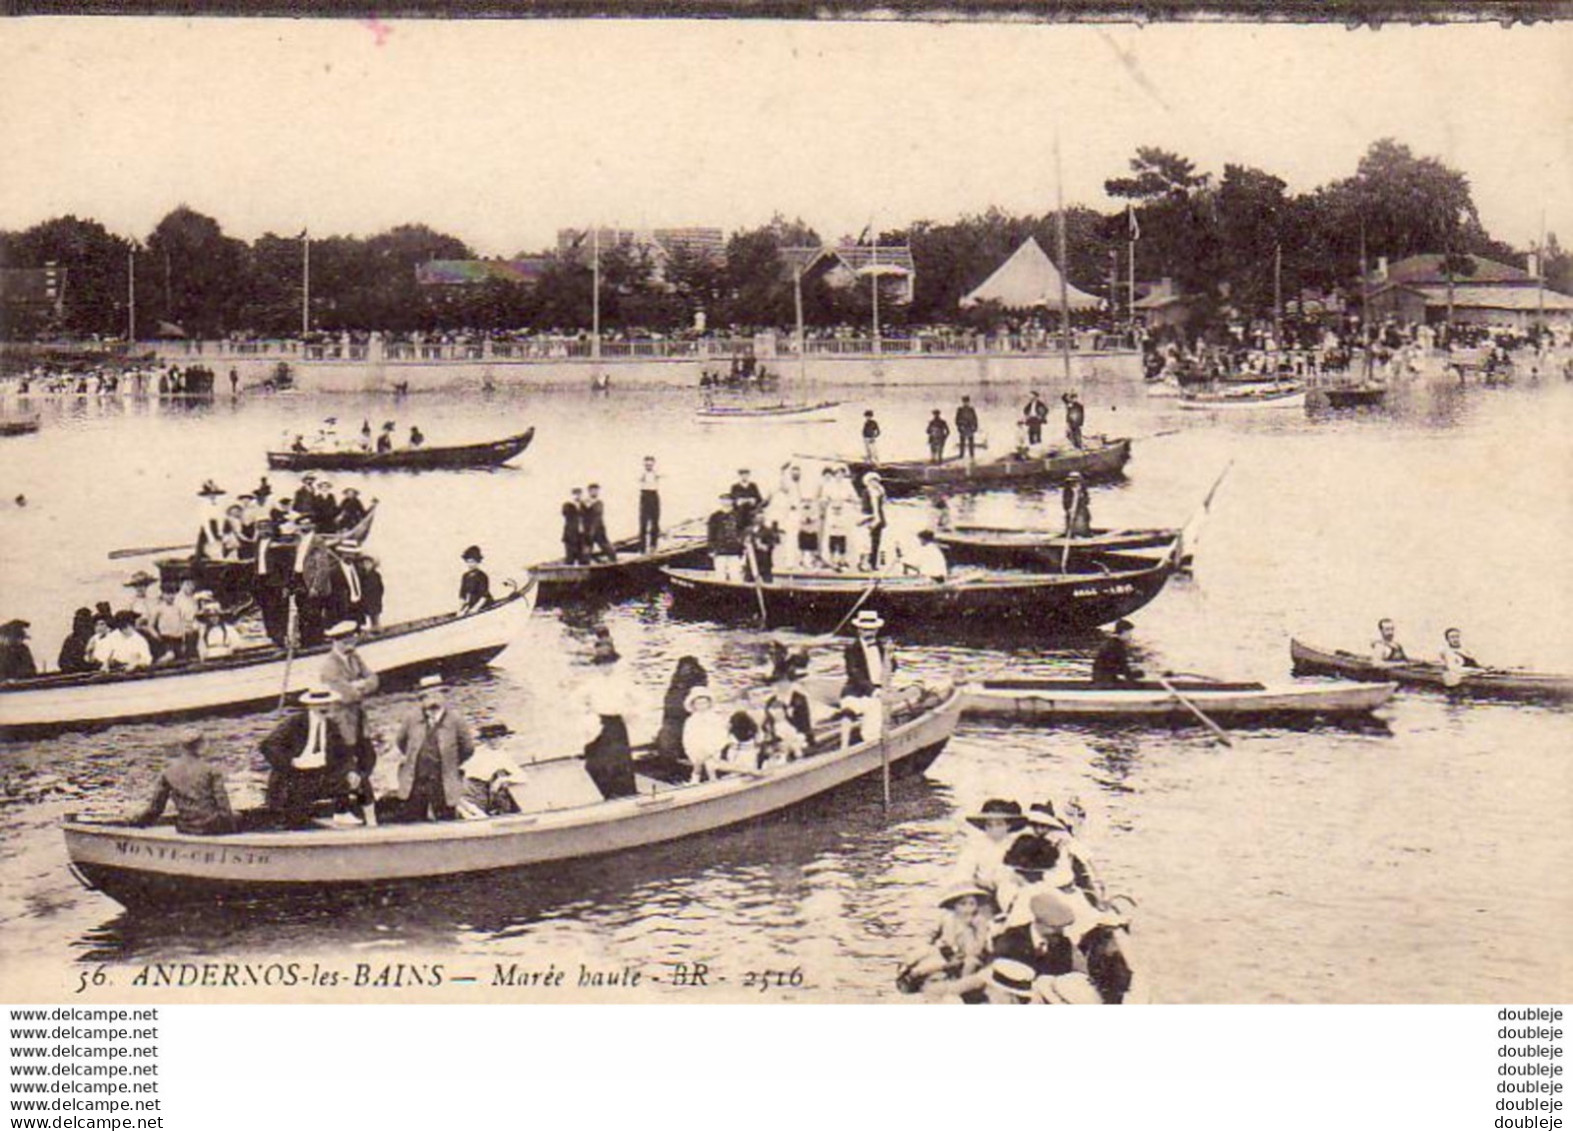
573,532
16,658
1036,414
1112,665
938,433
312,761
1075,417
1055,943
196,786
967,429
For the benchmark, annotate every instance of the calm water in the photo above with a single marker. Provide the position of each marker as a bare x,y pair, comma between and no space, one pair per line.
1425,861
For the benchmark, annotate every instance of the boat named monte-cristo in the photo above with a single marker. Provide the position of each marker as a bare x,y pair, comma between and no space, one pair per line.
1038,602
1487,683
1102,458
488,454
1042,700
256,677
159,866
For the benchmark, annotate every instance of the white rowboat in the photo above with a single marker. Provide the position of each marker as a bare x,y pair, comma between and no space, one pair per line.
1042,699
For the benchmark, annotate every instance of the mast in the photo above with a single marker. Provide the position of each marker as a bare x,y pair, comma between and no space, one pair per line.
1278,296
305,282
1132,232
595,294
797,300
1059,239
873,274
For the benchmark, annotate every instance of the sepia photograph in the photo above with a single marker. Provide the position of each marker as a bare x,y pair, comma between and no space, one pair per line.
714,511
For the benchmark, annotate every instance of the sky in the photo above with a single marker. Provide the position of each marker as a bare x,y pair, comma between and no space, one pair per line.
500,132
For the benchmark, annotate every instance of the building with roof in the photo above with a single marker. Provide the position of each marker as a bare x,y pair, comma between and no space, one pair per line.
659,243
1415,289
32,293
847,265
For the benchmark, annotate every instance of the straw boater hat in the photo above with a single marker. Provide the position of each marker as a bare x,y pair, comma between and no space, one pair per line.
429,682
996,809
347,548
1069,989
694,695
341,630
868,618
961,891
1014,977
319,697
141,579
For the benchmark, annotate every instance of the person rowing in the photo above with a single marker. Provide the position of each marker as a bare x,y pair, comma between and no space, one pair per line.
1111,667
1456,663
1386,649
928,559
1077,507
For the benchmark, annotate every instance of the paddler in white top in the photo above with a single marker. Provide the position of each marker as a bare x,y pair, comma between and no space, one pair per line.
1386,649
928,559
1456,663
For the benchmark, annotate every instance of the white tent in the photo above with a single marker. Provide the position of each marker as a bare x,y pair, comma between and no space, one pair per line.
1029,279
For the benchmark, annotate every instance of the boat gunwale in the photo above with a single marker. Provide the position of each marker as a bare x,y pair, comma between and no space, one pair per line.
401,457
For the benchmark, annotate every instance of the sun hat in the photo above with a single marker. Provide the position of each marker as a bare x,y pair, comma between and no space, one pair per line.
342,629
319,697
1042,816
139,579
997,809
1014,977
428,682
868,618
960,891
695,694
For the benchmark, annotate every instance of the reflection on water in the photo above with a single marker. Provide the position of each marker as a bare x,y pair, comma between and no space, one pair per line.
1423,858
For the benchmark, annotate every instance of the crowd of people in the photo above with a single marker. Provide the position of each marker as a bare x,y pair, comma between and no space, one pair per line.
1025,919
95,380
327,439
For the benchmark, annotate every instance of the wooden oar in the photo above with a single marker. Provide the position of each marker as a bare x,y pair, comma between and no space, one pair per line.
759,585
291,632
852,612
1195,710
147,551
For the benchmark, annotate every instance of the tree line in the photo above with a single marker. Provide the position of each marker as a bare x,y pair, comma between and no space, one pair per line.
1221,239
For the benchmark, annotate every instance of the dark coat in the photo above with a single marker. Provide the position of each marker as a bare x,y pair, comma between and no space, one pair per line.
16,660
293,789
454,747
966,419
858,683
475,590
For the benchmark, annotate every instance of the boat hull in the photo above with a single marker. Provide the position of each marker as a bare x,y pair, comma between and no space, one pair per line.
159,866
1044,700
406,459
399,654
1032,602
1106,461
1309,660
1225,403
1026,549
825,412
559,583
1353,397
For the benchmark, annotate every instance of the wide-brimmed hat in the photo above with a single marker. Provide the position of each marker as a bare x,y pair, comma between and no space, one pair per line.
1076,475
1069,989
211,490
342,629
15,628
471,554
1042,816
1012,976
961,891
997,809
702,691
139,579
430,682
319,697
874,475
348,547
868,618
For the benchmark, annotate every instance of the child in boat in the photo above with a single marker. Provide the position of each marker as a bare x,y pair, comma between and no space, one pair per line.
959,948
742,747
780,741
704,734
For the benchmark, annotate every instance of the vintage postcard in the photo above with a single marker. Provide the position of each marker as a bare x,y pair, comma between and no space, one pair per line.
714,511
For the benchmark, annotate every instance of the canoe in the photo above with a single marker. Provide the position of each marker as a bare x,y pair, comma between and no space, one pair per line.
18,427
159,866
823,412
406,459
1490,683
254,678
1273,397
1354,396
1038,602
557,581
1010,548
1101,459
1044,699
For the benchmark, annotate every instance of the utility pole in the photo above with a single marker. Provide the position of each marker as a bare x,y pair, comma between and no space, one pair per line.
131,294
305,283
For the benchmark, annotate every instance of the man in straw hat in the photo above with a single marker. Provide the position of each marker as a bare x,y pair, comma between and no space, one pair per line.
433,743
346,673
197,788
870,666
1067,935
312,761
142,604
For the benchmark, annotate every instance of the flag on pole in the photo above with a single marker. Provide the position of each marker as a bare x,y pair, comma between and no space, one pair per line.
1134,227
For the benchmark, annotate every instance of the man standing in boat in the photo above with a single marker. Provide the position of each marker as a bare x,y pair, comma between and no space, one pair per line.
870,436
592,526
967,430
1035,413
1075,417
573,530
434,743
870,665
346,674
938,434
747,498
312,761
649,506
1077,506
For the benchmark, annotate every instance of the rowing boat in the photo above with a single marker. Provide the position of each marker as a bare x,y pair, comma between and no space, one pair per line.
1045,699
18,427
1271,396
1102,458
559,581
1353,396
1014,548
1035,602
824,412
253,678
159,866
489,454
1490,683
